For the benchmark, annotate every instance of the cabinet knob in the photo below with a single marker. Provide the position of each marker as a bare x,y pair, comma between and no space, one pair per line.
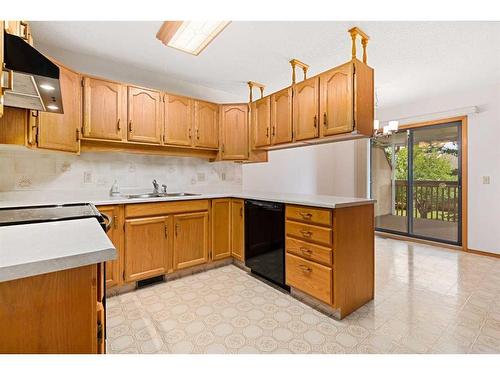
315,121
325,120
305,250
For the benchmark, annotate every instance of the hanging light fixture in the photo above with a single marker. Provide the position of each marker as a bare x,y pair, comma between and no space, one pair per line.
390,128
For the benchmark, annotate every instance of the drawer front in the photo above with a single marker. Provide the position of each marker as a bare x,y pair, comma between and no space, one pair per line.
309,277
318,216
165,208
309,233
309,251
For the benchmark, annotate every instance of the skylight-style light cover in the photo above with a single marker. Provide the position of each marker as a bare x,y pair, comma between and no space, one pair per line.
193,36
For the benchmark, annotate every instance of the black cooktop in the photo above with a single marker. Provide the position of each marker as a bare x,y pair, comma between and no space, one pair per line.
39,214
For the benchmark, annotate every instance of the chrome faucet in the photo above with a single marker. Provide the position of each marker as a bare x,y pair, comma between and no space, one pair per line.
164,188
155,187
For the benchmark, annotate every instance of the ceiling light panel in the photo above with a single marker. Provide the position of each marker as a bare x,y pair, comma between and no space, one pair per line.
194,36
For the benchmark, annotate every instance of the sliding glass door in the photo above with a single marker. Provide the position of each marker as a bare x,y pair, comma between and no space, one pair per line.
416,180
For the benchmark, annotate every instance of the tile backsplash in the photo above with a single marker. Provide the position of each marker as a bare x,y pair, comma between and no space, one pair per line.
27,170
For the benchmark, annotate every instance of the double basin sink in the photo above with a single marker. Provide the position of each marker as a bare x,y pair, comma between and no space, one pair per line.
158,195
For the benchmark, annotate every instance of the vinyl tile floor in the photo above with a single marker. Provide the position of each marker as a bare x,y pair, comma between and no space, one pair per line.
427,300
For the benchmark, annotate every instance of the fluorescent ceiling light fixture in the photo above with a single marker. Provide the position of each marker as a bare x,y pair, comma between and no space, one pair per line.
53,107
190,36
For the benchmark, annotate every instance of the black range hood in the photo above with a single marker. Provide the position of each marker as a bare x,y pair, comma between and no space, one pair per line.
33,80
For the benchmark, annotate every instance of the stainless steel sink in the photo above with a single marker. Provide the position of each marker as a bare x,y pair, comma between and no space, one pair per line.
158,195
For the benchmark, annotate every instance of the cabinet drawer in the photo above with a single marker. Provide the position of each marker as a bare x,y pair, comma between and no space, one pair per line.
165,208
309,233
309,251
309,277
318,216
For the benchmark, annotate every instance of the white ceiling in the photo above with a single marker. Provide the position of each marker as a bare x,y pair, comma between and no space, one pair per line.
411,59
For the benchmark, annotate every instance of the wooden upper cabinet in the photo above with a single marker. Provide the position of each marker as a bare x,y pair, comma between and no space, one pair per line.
62,131
305,109
206,124
221,228
234,131
336,100
261,121
2,25
190,239
178,120
146,247
281,116
144,115
21,29
238,229
104,109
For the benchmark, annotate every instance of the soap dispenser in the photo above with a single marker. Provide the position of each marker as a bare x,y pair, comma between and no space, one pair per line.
115,189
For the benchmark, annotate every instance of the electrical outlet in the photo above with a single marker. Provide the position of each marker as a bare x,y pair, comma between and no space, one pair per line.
486,180
87,177
223,176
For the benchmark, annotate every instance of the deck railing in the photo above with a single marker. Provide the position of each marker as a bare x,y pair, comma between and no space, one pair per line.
435,200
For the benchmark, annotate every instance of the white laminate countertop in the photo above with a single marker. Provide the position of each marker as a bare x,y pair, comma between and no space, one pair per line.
103,198
34,249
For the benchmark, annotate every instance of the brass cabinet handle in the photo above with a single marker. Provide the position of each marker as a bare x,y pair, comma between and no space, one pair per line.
325,120
77,135
241,211
274,131
130,126
118,126
315,121
305,268
166,231
115,221
305,215
306,250
189,133
176,230
198,133
306,233
267,132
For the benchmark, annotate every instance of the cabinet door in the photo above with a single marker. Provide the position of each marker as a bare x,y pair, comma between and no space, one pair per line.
281,116
237,229
104,109
305,109
178,120
146,247
206,124
234,132
114,268
190,239
144,115
221,228
261,121
62,131
336,101
2,25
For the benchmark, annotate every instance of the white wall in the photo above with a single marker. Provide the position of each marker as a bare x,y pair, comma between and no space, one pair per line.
320,169
483,157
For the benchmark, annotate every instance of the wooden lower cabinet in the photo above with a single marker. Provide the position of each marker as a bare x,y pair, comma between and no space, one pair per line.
146,247
114,268
221,228
57,312
191,234
238,229
332,260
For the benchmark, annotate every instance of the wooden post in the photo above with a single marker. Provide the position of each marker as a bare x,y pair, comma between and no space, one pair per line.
355,31
251,85
294,63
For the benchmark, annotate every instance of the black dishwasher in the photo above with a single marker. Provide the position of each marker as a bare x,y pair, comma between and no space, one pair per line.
265,240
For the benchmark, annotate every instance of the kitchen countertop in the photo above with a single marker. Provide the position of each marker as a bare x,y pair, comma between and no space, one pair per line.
34,249
103,198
